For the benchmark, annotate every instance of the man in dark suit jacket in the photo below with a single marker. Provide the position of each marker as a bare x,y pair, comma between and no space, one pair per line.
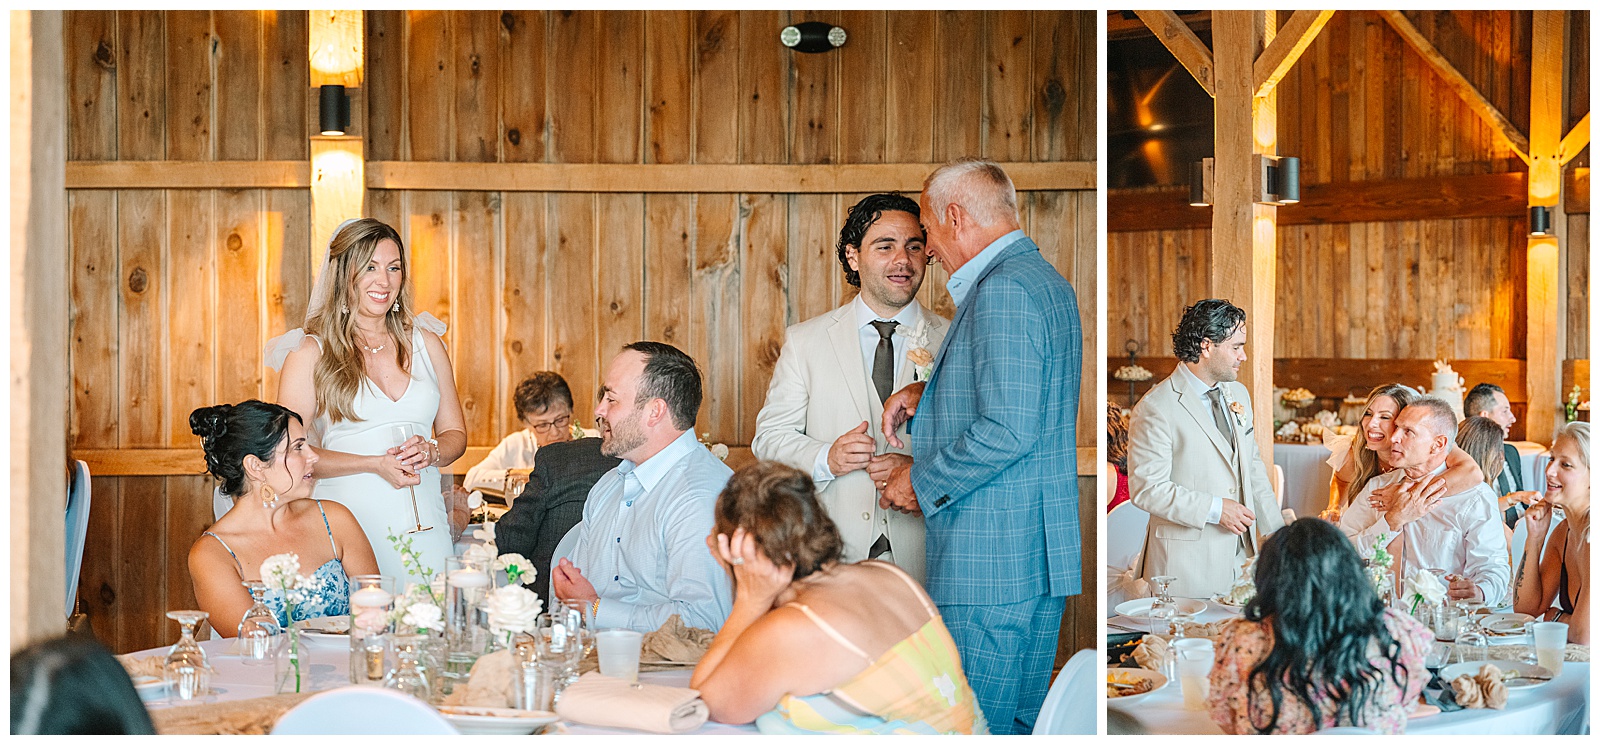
1489,400
551,503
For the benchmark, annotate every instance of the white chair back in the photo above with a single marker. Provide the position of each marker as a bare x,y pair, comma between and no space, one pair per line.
1126,526
1519,538
1345,731
1069,708
362,710
563,550
1277,483
220,503
77,528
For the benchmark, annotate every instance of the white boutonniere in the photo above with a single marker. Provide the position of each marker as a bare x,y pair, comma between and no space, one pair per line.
917,352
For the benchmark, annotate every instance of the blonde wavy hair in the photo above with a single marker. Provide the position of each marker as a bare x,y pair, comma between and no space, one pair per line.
341,369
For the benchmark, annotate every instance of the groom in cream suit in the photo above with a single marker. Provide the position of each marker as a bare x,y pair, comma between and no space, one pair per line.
1193,463
835,371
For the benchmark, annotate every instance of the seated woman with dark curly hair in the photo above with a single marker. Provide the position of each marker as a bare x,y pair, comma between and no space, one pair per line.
814,645
1316,647
259,453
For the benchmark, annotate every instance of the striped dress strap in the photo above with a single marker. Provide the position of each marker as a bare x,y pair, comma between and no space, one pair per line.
236,566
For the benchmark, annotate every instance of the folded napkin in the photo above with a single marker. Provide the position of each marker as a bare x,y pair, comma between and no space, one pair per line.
488,684
1482,691
613,702
153,666
1153,653
675,642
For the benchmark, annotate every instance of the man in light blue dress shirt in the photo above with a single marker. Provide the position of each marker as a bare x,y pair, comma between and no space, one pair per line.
641,551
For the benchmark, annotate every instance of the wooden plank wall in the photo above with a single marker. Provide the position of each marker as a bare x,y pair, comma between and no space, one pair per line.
1361,106
175,291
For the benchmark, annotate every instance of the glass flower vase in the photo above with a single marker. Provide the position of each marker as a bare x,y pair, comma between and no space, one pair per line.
292,664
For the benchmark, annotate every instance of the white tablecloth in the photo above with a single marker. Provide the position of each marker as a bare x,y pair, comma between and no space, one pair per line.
1305,477
1561,707
328,668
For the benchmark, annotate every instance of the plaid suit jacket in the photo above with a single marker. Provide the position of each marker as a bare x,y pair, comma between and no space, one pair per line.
994,439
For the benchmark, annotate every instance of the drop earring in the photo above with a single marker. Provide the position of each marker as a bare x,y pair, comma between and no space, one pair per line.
396,307
269,498
343,308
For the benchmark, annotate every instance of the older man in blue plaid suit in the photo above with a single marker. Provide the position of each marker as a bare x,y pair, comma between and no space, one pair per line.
995,471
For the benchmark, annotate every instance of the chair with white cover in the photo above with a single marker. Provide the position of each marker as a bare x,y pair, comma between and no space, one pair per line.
1345,731
1069,708
1126,526
1277,483
77,528
362,710
564,550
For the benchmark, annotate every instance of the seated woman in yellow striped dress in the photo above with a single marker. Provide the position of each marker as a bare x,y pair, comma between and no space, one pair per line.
816,645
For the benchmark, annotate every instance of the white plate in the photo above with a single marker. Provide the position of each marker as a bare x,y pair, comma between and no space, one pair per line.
1141,607
150,688
1159,679
1521,682
1507,622
483,720
326,630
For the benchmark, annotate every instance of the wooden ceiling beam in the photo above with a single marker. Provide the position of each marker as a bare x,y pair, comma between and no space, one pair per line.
1285,50
1176,36
1457,82
1576,140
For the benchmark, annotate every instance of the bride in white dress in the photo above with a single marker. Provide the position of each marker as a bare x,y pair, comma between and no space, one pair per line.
362,365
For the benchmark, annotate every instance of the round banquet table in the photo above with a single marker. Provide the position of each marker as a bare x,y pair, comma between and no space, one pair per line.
328,668
1560,707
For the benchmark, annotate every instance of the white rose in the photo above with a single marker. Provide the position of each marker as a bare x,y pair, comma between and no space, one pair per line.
482,553
281,571
525,572
474,499
720,450
424,616
512,609
487,532
1421,582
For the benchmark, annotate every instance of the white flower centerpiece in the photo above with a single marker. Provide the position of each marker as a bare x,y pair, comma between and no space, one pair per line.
1378,566
512,610
1423,588
281,572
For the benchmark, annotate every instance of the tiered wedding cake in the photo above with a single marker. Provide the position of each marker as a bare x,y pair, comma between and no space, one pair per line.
1447,386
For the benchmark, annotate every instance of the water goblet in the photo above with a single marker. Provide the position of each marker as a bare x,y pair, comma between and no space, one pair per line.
586,625
407,676
401,434
187,672
258,630
1162,608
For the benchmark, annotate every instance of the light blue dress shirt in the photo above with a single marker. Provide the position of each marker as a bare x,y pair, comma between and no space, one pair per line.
642,542
961,280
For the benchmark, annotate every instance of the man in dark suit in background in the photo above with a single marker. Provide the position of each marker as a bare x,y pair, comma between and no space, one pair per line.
551,503
1489,400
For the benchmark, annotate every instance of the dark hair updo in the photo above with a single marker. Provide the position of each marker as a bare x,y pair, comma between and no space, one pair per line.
229,432
777,505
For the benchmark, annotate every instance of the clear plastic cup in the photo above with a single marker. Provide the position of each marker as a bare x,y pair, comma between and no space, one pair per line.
1195,657
1550,645
619,653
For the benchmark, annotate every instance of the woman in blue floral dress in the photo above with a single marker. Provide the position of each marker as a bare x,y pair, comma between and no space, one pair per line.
259,454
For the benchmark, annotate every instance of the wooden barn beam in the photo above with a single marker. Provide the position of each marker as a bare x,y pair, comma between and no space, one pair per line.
1244,233
1178,39
1285,50
1576,140
1458,82
1546,285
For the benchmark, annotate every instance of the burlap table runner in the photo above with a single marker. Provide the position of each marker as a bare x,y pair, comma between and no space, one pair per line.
253,716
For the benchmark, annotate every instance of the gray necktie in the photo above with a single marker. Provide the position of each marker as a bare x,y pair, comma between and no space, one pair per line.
1223,425
883,359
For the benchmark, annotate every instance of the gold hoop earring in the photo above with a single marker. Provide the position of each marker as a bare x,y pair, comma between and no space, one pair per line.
269,498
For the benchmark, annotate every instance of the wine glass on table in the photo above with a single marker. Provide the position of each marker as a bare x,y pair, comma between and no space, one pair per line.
402,433
1163,608
188,673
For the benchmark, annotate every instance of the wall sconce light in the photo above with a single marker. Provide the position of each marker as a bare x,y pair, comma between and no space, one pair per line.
1278,180
1539,221
812,37
1200,182
334,110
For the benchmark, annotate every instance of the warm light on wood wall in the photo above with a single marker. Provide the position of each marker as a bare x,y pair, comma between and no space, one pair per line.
338,189
336,48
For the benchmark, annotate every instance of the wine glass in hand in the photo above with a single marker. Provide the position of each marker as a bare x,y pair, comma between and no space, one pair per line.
402,434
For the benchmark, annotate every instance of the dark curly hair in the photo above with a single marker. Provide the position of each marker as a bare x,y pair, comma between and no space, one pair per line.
777,505
862,216
1212,319
229,432
1117,436
1312,588
539,391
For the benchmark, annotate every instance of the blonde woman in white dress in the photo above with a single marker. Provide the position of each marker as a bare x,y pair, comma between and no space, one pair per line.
363,364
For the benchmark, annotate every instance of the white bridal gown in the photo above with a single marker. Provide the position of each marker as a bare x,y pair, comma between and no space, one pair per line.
379,507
